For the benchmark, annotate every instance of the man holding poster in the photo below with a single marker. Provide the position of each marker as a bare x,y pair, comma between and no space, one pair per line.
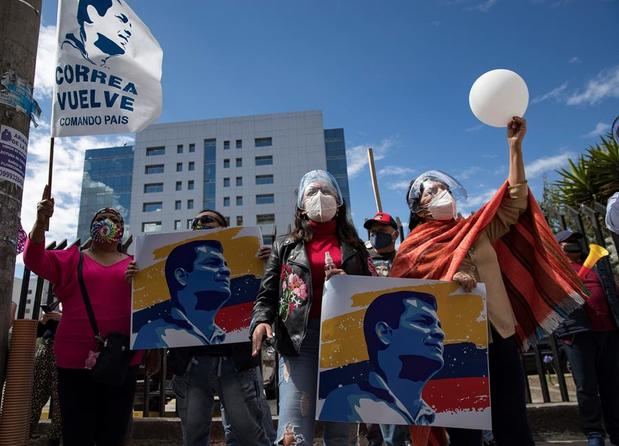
206,316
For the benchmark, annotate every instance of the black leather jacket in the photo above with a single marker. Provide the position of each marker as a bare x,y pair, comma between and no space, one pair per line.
289,256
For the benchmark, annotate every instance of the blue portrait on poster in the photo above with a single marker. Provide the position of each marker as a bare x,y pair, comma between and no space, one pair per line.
404,342
198,280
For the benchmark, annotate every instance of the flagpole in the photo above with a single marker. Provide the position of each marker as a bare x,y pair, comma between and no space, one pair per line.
379,206
50,173
51,164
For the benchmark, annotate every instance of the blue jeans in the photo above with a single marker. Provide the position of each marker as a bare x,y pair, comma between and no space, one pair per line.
394,435
297,398
241,395
594,357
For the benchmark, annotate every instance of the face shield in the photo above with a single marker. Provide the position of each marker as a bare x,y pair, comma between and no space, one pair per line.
318,182
428,181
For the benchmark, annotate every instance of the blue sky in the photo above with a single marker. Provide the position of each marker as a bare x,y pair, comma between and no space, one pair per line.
394,74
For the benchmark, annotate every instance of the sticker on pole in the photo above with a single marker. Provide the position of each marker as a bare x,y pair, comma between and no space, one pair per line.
13,152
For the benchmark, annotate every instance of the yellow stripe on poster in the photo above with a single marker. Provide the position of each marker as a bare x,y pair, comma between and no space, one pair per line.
343,341
150,287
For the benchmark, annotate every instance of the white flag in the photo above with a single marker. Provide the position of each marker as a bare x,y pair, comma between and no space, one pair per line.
108,70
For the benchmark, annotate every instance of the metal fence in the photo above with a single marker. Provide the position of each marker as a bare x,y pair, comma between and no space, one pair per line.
543,362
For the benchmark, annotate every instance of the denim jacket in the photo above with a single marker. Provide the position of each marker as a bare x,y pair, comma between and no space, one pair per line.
285,294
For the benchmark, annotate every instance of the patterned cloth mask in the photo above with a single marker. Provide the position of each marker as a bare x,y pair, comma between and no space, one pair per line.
106,231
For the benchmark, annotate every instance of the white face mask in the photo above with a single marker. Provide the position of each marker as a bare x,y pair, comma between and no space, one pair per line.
320,208
442,206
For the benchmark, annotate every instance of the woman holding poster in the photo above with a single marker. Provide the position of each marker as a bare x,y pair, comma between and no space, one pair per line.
322,243
92,412
508,246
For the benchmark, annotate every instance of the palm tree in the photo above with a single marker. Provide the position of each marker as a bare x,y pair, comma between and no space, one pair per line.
594,176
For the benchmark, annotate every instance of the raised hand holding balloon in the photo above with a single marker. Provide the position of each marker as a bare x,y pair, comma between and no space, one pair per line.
497,96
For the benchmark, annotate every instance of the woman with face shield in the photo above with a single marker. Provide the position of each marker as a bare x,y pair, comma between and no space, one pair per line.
322,243
508,246
92,412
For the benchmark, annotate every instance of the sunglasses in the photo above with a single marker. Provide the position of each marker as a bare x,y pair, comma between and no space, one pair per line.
205,220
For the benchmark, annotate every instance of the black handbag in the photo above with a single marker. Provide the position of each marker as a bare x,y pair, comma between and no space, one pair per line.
114,356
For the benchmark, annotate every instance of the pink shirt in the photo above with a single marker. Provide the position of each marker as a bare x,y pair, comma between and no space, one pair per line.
109,292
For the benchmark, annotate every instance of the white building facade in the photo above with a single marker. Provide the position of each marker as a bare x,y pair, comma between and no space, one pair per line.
247,168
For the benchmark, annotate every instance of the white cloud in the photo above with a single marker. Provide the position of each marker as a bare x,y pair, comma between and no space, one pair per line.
67,178
395,171
556,94
599,129
399,185
474,202
357,157
575,60
542,165
604,85
485,6
468,173
46,61
475,128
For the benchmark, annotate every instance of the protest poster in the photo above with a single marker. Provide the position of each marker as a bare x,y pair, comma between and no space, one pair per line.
195,288
403,351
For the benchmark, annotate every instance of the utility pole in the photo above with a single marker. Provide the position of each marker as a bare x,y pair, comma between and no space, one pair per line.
20,21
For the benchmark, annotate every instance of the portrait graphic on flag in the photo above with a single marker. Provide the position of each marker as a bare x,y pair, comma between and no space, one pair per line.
195,288
403,351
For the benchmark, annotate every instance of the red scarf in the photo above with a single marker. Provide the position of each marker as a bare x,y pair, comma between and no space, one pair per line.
542,287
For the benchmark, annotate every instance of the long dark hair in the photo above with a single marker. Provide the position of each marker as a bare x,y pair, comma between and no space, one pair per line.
345,231
413,218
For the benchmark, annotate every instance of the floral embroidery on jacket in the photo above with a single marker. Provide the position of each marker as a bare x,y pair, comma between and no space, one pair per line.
294,292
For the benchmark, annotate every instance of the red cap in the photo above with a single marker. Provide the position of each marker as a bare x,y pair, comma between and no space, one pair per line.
383,218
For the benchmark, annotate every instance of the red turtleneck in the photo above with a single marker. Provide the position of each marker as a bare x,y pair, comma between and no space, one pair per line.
324,239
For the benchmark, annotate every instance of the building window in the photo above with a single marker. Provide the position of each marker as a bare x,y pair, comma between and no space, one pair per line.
265,219
179,185
226,163
192,148
239,200
239,181
154,151
239,220
151,226
239,162
153,187
179,149
265,199
226,145
153,168
227,221
226,202
177,225
177,205
263,142
264,179
189,204
189,223
268,239
239,143
264,160
226,182
190,185
209,170
192,165
179,167
153,206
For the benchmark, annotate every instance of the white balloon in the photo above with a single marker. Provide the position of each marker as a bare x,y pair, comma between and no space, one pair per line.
497,96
